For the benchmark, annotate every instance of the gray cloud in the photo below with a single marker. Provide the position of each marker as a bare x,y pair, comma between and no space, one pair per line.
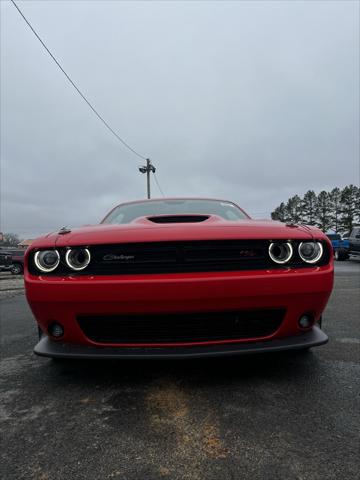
250,101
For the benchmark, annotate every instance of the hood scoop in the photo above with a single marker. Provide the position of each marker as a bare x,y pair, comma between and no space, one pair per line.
178,218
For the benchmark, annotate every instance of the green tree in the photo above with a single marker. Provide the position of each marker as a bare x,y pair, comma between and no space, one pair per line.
280,213
323,211
294,210
349,208
357,205
308,205
336,207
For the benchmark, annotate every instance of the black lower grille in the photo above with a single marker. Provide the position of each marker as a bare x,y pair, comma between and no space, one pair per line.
185,327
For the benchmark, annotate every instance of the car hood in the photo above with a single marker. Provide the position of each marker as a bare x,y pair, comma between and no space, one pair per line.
145,230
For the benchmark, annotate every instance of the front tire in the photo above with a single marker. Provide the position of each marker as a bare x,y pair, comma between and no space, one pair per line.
341,255
17,269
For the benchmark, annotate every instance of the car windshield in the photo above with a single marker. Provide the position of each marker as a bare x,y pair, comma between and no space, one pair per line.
128,212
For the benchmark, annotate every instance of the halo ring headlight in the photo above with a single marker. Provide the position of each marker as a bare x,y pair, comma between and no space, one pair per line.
280,252
46,260
310,252
77,258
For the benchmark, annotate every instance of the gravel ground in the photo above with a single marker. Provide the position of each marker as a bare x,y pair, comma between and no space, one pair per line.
268,417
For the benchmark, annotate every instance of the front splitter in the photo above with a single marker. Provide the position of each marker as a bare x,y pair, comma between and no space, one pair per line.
49,348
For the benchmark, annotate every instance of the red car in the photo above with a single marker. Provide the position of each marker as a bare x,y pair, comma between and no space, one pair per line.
178,278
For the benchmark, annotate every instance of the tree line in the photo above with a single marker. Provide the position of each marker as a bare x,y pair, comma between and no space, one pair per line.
337,210
9,240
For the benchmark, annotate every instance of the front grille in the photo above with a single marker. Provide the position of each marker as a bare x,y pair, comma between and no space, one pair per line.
174,257
181,328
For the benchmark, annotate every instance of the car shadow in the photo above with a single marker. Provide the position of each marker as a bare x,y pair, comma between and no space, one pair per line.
208,371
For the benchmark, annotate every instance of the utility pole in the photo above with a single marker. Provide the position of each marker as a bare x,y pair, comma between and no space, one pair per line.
149,167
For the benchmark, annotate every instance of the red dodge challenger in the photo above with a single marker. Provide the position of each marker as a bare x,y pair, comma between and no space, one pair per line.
178,278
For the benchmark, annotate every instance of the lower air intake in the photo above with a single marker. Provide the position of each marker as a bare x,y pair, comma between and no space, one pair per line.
181,328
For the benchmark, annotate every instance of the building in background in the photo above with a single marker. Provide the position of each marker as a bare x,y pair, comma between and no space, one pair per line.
25,243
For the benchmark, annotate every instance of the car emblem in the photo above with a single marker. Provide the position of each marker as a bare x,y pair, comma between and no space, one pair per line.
110,257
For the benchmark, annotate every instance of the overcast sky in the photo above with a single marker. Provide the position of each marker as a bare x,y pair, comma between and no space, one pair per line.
248,101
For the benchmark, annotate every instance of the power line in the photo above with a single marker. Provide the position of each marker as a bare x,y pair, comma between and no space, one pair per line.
76,88
158,184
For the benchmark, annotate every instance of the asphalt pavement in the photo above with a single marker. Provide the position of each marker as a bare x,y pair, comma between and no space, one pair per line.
276,416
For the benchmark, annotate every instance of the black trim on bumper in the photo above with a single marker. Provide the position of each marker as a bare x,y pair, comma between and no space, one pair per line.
48,348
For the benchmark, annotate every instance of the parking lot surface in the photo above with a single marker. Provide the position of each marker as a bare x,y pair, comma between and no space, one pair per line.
275,416
10,285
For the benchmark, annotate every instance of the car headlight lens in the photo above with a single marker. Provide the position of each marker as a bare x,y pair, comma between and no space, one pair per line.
280,252
78,258
47,260
310,252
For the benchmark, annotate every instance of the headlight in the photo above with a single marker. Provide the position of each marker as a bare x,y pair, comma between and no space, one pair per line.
47,260
78,258
280,252
310,252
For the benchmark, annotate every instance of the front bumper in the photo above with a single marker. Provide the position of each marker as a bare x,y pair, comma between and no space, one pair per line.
48,348
63,300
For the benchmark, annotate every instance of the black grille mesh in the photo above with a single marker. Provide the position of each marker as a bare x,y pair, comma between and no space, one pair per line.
176,257
184,327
